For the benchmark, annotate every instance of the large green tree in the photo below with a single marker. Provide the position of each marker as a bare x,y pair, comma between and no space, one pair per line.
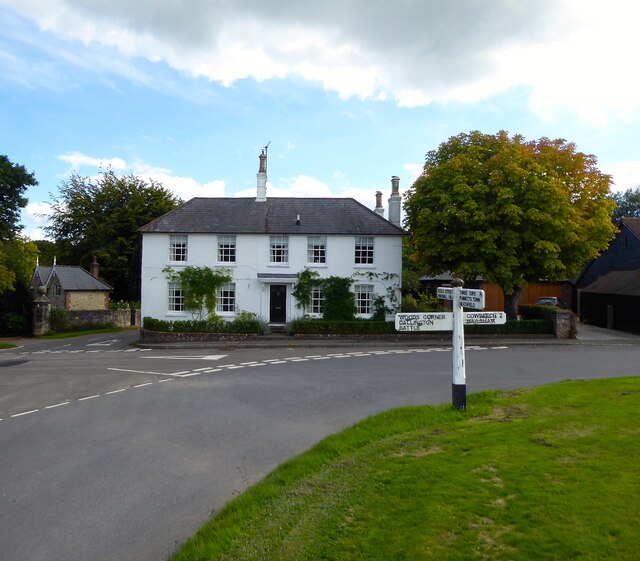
627,204
509,210
14,180
101,216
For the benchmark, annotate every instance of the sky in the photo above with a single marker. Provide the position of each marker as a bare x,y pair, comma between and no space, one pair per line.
346,93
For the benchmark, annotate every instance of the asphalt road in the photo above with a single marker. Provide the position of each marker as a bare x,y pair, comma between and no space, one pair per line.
115,453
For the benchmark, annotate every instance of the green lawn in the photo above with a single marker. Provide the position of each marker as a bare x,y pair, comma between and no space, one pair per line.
551,473
7,345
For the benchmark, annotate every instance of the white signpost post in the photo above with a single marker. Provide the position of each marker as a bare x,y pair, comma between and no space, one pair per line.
454,321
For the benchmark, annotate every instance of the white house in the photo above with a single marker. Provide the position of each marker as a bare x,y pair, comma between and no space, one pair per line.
265,243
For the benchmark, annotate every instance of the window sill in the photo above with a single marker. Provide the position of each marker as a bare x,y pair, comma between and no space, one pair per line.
279,265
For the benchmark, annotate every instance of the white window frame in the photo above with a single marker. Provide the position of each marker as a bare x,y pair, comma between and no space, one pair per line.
279,249
364,299
175,297
226,298
317,250
317,301
178,248
364,253
227,248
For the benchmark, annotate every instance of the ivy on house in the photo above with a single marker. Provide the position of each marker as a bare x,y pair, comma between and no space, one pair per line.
307,279
200,288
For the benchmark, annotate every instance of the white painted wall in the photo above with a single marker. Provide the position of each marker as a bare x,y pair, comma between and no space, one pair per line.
252,257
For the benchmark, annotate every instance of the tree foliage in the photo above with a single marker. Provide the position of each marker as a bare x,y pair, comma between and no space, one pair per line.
101,216
627,204
14,180
17,261
200,288
508,210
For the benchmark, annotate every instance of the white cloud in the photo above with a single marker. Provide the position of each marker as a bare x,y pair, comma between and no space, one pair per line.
37,213
575,55
76,161
626,175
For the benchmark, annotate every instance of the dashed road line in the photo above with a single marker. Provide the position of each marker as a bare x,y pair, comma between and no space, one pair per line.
24,413
208,370
57,405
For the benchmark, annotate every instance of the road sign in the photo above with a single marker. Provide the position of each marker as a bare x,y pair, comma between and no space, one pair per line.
423,321
443,321
484,318
469,298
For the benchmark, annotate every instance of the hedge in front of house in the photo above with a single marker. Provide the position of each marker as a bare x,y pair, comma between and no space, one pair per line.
521,327
537,311
202,326
339,327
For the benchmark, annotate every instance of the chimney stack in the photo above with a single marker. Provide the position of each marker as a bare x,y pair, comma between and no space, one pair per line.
262,177
379,208
94,268
395,201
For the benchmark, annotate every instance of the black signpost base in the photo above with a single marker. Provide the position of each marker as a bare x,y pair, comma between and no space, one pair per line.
459,396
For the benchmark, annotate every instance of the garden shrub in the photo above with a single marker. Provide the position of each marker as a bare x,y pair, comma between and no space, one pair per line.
239,325
339,327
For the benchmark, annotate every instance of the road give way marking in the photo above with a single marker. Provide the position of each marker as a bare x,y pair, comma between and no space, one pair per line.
166,377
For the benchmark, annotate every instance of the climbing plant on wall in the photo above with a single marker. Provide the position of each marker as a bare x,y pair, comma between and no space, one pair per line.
307,279
200,288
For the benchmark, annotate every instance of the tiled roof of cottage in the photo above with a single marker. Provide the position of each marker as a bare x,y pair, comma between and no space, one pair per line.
273,216
633,224
71,278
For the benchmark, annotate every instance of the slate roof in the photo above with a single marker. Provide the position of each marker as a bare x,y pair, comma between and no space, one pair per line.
626,283
235,215
71,278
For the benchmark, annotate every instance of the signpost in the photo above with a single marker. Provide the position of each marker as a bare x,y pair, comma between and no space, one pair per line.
454,321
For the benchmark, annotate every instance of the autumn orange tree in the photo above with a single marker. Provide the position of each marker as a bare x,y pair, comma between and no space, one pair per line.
508,210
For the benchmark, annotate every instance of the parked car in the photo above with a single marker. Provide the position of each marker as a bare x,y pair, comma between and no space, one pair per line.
551,301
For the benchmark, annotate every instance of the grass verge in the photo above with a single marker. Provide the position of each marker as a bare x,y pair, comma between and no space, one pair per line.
547,473
7,345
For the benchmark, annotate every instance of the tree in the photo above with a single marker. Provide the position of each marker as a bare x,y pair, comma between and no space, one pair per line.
101,216
14,180
17,261
508,210
627,204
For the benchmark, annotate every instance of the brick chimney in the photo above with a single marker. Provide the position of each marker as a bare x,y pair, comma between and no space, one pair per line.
94,268
379,208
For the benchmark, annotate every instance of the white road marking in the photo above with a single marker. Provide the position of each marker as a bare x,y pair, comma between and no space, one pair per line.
143,385
165,380
25,413
147,372
57,405
195,357
323,358
89,397
188,375
118,391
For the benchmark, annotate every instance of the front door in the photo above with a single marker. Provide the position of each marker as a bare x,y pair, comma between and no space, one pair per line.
278,303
